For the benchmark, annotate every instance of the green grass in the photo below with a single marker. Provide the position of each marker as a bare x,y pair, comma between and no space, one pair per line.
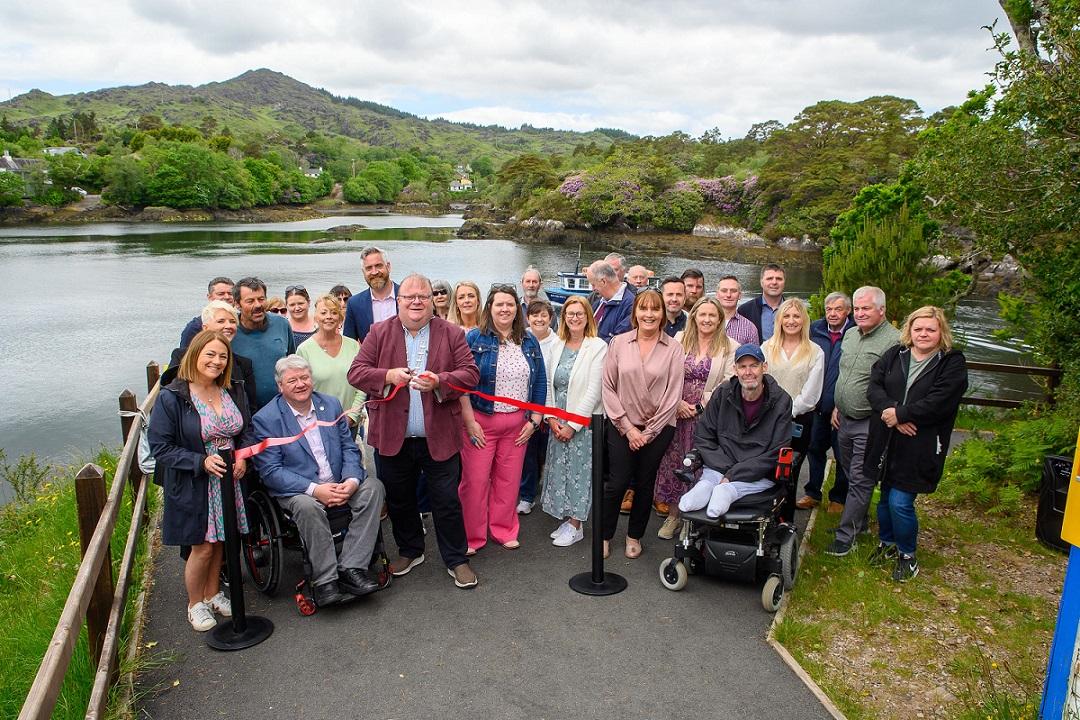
973,627
39,556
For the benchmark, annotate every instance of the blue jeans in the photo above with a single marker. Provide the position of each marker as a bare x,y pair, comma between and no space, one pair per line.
535,454
897,522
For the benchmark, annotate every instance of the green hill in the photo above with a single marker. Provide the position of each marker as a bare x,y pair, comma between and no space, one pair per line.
264,103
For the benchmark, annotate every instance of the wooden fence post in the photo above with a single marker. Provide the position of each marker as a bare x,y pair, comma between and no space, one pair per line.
89,501
129,413
153,374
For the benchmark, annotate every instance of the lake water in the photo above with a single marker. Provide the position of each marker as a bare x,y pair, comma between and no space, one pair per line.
89,306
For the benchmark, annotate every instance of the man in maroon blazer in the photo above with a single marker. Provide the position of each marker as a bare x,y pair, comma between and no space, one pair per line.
420,429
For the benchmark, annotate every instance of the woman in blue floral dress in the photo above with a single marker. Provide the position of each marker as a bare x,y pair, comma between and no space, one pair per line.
575,384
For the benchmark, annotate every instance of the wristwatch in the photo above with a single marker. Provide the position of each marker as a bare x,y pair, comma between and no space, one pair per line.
534,423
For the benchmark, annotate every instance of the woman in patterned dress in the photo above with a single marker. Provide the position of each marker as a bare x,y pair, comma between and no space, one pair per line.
709,361
200,413
575,384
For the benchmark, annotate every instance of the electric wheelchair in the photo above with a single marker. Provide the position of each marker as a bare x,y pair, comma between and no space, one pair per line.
272,530
755,539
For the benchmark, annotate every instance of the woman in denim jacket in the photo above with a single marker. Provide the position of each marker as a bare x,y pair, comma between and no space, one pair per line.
496,433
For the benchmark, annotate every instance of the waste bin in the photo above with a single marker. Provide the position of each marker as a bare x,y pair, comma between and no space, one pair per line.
1052,493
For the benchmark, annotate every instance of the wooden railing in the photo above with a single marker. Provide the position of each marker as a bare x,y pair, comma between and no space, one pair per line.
94,596
1052,375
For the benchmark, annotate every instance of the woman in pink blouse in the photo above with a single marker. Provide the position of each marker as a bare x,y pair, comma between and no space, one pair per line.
643,381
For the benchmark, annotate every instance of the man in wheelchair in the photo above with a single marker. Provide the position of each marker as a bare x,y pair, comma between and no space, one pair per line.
745,424
321,470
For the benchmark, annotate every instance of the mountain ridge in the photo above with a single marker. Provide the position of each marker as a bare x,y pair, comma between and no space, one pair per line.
262,101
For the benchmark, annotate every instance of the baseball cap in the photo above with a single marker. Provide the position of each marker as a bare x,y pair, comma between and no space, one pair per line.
749,349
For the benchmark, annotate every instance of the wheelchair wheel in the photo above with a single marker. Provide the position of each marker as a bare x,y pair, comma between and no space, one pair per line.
673,574
789,559
263,551
772,593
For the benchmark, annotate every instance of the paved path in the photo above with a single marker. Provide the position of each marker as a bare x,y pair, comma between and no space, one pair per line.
521,645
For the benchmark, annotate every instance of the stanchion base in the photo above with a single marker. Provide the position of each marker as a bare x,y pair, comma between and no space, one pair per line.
224,637
610,585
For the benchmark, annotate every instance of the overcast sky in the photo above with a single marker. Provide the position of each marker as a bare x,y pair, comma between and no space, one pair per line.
643,66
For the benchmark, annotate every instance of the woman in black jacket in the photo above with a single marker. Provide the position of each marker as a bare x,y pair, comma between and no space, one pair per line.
200,413
915,388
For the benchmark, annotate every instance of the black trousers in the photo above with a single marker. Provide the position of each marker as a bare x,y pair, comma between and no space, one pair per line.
636,469
399,474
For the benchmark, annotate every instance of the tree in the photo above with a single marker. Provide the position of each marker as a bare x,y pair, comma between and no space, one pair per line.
519,177
890,252
1004,164
829,151
483,167
11,189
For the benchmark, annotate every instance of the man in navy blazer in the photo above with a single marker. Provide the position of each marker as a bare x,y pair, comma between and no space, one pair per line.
375,304
320,470
614,304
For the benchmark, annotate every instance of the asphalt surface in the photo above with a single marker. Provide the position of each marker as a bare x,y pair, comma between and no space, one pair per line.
521,645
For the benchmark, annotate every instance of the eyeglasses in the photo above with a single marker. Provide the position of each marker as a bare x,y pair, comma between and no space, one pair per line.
439,292
279,311
410,299
573,315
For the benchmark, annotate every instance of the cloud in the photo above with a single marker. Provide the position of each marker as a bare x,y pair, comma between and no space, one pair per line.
643,66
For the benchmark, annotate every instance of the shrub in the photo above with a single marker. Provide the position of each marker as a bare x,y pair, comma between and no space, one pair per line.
995,474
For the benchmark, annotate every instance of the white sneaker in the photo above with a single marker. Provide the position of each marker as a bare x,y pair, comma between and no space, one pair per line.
201,617
525,507
560,530
669,528
220,604
570,536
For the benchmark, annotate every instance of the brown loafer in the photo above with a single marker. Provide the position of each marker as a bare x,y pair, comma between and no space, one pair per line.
627,502
662,508
806,503
835,508
463,575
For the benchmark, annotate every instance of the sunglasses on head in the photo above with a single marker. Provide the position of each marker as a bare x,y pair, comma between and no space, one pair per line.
295,289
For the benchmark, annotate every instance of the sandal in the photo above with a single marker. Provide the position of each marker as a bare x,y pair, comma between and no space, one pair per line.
607,550
633,551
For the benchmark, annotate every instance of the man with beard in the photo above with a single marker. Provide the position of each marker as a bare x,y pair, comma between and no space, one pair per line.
377,303
694,282
262,338
674,294
531,282
739,437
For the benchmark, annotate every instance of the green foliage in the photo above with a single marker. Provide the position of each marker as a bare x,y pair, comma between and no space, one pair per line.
1005,165
360,190
518,178
26,477
11,189
387,177
831,150
995,474
890,252
125,182
678,210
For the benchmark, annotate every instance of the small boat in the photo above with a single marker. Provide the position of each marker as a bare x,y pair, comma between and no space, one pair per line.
570,283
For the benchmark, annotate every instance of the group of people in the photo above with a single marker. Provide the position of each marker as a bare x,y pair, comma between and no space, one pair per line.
472,407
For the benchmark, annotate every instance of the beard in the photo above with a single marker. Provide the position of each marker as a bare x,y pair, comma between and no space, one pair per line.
378,281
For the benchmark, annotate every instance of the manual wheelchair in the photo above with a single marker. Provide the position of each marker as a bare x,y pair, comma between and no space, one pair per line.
756,538
272,530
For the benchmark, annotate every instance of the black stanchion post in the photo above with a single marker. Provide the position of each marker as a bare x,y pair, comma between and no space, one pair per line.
240,631
598,582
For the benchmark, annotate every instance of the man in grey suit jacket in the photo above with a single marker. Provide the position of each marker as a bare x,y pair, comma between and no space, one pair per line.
321,470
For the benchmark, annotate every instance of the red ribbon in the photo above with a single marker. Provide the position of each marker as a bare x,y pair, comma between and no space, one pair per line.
262,445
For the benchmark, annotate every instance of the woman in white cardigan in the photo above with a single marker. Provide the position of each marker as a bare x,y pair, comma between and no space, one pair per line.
575,384
710,360
797,364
